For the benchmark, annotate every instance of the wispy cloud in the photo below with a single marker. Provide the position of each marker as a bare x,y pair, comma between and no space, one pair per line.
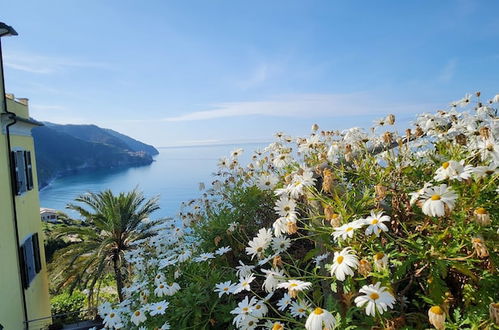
45,107
41,64
448,71
306,106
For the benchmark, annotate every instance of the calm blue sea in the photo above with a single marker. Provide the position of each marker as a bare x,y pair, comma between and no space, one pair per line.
174,176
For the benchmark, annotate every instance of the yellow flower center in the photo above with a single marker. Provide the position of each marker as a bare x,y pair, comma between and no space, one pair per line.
277,326
445,165
374,296
159,308
318,311
258,306
379,255
349,229
436,310
161,286
226,289
112,315
137,313
340,259
245,283
374,221
245,309
287,208
259,249
436,197
293,285
481,210
300,310
336,215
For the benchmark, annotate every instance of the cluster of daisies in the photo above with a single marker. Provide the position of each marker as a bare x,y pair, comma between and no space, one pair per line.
347,254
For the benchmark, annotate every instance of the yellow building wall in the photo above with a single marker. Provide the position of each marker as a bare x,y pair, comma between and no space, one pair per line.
28,215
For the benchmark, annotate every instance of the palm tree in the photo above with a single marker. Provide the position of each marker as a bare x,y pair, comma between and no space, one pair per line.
112,224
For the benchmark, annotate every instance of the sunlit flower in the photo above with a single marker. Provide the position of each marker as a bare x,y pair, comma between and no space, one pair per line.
285,207
453,170
347,230
259,307
294,286
277,326
267,182
436,316
375,223
320,319
437,200
344,263
380,261
376,298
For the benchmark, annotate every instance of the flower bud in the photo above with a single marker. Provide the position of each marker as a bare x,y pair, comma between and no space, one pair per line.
494,312
436,316
277,262
390,119
364,267
480,248
481,216
315,127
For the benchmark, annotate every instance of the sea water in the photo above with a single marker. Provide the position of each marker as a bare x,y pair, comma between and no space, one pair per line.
174,176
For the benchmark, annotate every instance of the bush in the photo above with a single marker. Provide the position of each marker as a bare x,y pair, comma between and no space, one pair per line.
351,229
68,303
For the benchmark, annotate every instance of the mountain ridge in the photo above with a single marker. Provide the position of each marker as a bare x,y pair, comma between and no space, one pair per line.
67,149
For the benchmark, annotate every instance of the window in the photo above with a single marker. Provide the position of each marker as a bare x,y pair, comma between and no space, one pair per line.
23,171
30,259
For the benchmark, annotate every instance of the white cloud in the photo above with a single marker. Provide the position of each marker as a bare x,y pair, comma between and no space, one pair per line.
41,64
306,106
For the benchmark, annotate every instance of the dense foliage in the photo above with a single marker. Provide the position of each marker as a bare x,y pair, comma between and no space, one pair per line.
347,230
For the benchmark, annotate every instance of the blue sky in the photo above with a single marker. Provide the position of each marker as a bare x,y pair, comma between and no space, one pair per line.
189,72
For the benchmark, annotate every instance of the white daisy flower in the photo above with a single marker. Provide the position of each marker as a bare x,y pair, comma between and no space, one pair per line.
161,290
224,288
273,277
344,263
376,298
284,302
375,223
138,317
320,319
222,250
244,270
280,244
285,207
294,286
437,199
243,310
259,309
267,182
158,308
113,320
453,170
347,230
244,284
299,309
